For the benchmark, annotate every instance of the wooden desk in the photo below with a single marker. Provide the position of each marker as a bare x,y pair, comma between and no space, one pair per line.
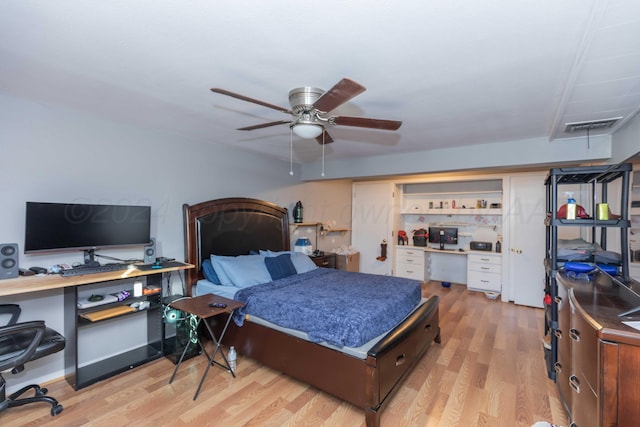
78,372
23,285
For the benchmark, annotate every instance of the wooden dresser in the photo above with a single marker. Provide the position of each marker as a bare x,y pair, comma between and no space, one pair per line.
598,367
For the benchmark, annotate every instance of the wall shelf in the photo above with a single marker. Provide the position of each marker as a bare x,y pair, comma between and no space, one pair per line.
456,211
323,228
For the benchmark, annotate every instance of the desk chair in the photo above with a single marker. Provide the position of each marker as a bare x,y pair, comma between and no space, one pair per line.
21,343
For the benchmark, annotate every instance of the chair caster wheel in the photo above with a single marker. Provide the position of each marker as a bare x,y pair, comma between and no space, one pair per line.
41,391
56,410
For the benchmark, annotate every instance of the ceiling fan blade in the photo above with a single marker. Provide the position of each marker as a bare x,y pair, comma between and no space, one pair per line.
364,122
327,138
246,98
343,91
265,125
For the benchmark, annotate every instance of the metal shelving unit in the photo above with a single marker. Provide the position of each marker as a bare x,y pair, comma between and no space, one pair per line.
595,176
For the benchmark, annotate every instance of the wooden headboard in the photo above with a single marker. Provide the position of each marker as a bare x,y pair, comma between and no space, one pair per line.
231,226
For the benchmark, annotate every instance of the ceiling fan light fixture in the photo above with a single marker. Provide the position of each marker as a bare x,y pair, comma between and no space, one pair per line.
307,131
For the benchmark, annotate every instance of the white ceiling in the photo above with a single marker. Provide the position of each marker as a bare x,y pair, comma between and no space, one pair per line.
455,72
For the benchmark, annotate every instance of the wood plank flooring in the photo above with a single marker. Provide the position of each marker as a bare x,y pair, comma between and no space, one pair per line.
488,371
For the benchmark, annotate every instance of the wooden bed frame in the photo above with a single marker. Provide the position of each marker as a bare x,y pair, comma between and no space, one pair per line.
235,226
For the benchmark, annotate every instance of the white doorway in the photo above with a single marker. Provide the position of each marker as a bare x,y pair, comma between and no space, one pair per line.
371,223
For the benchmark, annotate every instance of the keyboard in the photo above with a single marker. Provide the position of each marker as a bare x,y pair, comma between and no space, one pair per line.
82,269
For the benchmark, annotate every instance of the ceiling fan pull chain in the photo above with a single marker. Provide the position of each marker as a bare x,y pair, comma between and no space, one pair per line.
323,144
291,151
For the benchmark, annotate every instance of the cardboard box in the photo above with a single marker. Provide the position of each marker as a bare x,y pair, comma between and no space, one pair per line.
349,262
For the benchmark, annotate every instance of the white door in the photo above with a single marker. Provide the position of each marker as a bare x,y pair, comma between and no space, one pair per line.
371,223
526,245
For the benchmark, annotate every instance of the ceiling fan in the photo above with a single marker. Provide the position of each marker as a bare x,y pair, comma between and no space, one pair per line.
310,108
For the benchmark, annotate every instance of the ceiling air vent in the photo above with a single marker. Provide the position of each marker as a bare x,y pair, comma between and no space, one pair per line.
591,125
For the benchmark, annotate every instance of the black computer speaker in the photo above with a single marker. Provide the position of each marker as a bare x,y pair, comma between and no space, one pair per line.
8,260
150,252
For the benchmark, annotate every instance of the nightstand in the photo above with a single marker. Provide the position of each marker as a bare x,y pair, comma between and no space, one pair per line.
328,260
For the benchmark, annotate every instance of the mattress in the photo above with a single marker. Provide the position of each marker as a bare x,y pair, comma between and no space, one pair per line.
359,352
205,287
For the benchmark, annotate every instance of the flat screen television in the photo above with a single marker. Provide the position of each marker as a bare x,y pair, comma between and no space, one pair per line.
72,226
443,236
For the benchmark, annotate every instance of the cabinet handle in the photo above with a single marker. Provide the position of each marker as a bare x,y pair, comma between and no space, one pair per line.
410,271
400,360
574,334
484,268
484,259
558,300
574,382
558,334
409,259
557,367
484,281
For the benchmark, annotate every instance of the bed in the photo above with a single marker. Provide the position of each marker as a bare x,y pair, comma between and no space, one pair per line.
237,226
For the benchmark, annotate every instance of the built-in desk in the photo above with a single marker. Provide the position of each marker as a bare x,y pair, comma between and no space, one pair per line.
480,270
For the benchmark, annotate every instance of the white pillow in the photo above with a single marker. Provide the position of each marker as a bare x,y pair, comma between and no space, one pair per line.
243,271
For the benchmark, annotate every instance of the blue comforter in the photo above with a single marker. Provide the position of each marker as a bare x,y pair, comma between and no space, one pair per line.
339,307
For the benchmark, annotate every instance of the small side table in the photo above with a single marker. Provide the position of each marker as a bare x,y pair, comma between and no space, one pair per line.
199,307
327,260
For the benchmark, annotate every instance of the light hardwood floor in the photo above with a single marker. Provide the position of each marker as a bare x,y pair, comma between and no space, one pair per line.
488,371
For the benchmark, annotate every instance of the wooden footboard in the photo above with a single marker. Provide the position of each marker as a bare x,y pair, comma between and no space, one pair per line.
364,383
391,359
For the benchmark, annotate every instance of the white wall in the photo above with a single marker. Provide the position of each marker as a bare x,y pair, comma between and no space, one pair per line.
55,155
525,153
626,141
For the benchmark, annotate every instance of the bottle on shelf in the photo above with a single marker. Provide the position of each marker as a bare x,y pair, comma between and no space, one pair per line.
571,205
297,212
231,357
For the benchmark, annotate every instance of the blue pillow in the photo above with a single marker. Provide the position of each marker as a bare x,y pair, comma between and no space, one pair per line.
302,262
242,271
280,266
223,278
209,272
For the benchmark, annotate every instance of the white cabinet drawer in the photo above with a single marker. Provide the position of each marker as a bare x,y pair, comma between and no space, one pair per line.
410,256
483,267
484,281
484,271
488,258
410,271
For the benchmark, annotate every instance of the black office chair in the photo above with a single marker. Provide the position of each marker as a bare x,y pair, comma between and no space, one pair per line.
21,343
